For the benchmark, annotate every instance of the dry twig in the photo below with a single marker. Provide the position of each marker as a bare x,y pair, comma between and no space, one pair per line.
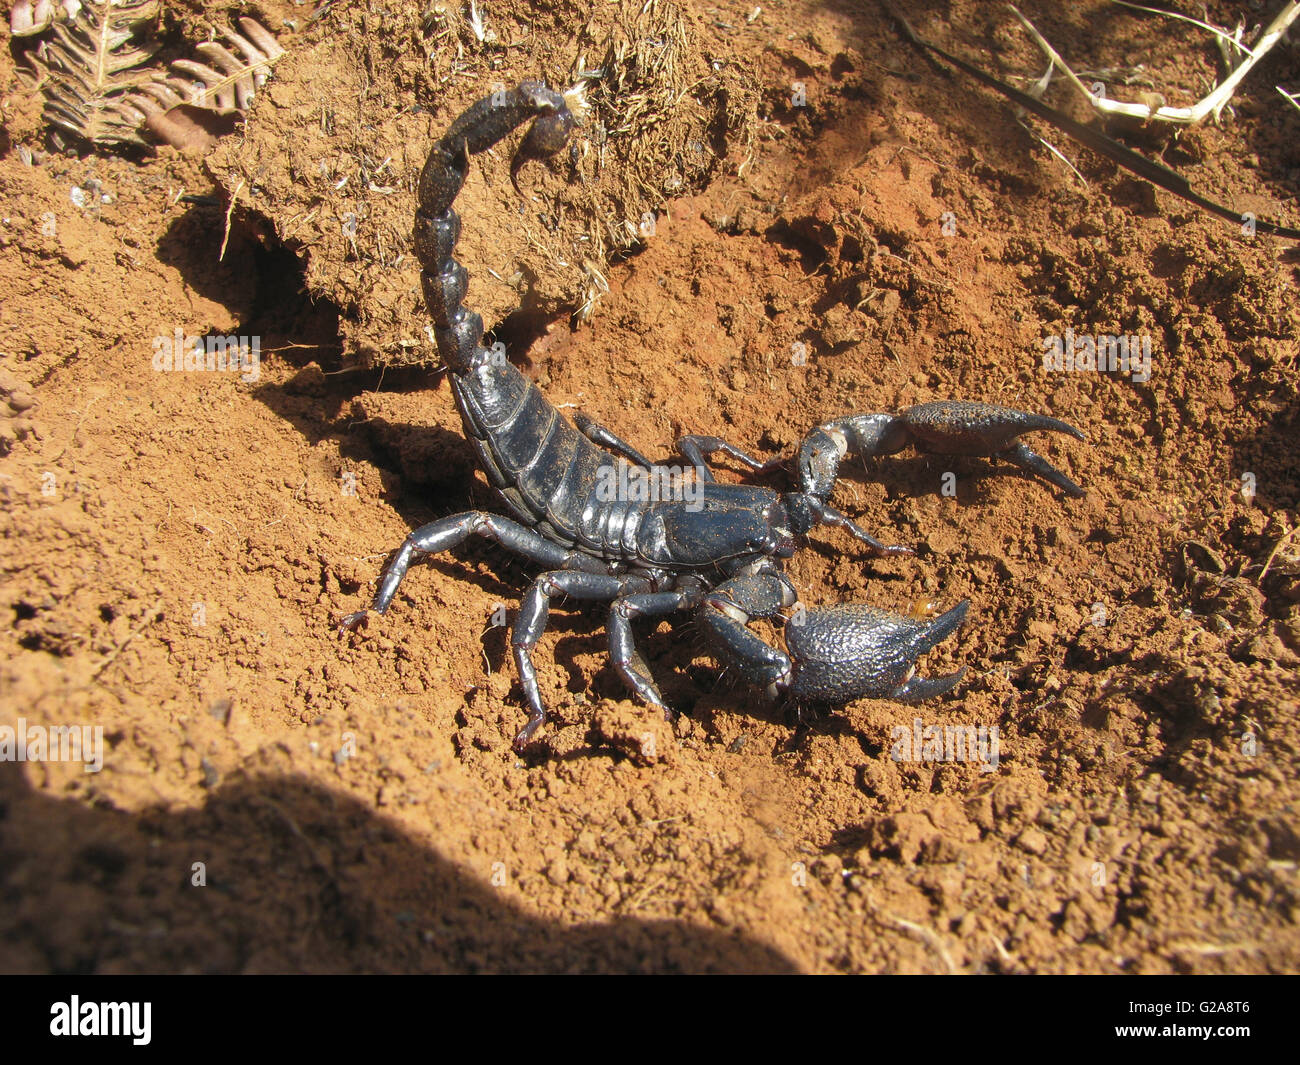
1211,105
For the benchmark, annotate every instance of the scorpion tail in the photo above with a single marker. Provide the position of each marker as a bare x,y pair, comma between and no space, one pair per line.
458,331
547,136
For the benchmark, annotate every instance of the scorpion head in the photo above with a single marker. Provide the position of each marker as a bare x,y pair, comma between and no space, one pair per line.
731,523
783,528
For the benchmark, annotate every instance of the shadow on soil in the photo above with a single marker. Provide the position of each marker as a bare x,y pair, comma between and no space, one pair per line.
299,879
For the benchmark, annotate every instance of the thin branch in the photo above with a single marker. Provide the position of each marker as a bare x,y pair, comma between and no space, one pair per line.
1130,160
1211,105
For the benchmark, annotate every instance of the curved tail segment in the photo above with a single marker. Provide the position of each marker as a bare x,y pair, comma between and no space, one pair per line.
458,331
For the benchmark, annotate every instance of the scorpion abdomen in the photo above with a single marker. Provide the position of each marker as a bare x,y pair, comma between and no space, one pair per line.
490,395
612,527
520,442
546,470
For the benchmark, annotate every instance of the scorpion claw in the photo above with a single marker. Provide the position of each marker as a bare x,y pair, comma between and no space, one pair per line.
853,650
916,689
1027,459
945,427
954,427
832,654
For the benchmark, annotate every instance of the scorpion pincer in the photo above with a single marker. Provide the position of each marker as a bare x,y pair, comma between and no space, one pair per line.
720,553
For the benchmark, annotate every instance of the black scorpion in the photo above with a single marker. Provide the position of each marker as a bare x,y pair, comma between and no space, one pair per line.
720,553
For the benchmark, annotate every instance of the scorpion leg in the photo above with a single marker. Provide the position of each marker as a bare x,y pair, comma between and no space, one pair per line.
697,449
622,647
446,533
602,437
531,623
833,654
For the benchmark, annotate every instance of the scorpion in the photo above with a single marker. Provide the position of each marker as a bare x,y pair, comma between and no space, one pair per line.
720,553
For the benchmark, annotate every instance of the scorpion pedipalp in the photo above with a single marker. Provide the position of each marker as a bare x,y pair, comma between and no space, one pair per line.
942,427
832,654
956,427
853,650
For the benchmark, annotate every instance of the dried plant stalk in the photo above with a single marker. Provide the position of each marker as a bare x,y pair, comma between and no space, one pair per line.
1212,105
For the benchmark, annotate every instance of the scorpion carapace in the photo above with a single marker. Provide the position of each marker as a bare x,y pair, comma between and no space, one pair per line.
718,552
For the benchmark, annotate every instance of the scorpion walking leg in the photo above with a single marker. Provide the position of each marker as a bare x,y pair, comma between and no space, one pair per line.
602,437
697,449
531,623
446,533
622,647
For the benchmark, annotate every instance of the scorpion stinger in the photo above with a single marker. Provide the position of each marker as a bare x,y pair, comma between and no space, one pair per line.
719,549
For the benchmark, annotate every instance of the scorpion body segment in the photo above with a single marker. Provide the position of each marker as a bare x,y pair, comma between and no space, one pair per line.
718,551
